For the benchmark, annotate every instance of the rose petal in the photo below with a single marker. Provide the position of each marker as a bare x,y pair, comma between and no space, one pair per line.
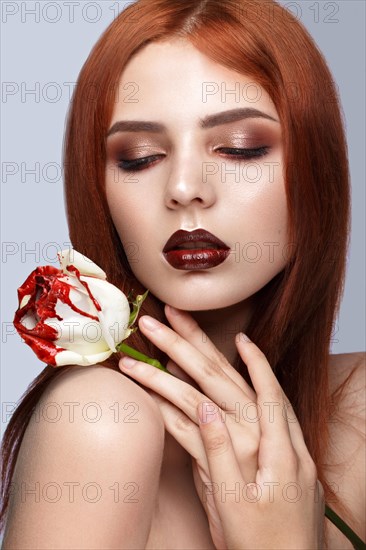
82,263
71,358
25,300
115,313
45,350
76,332
28,321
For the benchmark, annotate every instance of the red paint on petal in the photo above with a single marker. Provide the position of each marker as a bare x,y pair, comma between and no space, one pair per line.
46,351
72,268
45,286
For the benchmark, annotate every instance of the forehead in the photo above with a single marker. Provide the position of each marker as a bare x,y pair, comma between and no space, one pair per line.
174,79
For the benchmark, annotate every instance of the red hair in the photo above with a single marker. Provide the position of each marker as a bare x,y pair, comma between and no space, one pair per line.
296,310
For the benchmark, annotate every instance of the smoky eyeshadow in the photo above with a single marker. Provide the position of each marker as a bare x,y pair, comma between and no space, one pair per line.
134,147
256,133
251,134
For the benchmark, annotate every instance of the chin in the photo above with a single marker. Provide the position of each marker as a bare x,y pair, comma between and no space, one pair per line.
193,291
202,302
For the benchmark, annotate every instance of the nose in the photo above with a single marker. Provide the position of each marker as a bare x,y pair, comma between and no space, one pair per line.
186,185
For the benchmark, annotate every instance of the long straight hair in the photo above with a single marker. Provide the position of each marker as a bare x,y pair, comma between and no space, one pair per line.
296,310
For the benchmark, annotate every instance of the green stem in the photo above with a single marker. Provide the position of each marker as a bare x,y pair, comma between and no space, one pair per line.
357,543
140,356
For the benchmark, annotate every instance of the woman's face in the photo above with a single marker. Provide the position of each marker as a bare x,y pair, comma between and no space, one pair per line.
193,177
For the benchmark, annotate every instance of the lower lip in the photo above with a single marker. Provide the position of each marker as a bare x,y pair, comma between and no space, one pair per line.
196,258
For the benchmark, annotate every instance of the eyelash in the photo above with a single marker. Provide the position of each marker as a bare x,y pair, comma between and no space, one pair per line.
243,154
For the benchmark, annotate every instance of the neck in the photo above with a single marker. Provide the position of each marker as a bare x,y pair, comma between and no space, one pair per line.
222,325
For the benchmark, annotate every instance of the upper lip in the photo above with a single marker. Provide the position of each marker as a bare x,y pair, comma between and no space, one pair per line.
181,236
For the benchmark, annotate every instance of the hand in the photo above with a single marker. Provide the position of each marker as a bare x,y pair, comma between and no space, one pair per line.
252,470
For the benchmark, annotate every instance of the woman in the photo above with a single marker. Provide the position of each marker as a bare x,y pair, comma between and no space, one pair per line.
166,147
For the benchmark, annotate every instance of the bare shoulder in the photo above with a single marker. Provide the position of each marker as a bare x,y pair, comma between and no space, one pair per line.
347,376
102,409
346,456
341,365
92,450
347,386
99,403
103,388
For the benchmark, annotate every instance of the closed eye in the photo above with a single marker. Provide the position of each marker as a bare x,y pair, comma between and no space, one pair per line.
244,154
239,154
137,164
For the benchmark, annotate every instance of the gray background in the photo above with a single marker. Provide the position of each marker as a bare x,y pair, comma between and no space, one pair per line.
38,54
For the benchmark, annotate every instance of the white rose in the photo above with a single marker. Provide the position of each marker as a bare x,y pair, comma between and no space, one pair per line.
72,315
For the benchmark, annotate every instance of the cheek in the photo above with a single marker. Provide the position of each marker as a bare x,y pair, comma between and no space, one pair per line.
122,207
261,210
272,229
130,227
132,220
275,210
271,214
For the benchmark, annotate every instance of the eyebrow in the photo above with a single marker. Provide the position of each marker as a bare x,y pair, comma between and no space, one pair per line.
208,122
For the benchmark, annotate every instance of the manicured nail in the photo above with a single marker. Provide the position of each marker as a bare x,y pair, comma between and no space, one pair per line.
128,362
208,412
244,337
149,322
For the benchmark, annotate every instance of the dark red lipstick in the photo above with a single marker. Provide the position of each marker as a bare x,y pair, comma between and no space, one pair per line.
198,249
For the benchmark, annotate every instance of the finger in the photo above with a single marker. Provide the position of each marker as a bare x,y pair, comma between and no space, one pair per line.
225,474
179,373
209,376
186,432
183,323
205,490
276,447
184,396
297,436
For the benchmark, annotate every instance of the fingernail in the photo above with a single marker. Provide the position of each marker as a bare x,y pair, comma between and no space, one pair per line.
244,337
207,413
149,322
128,362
